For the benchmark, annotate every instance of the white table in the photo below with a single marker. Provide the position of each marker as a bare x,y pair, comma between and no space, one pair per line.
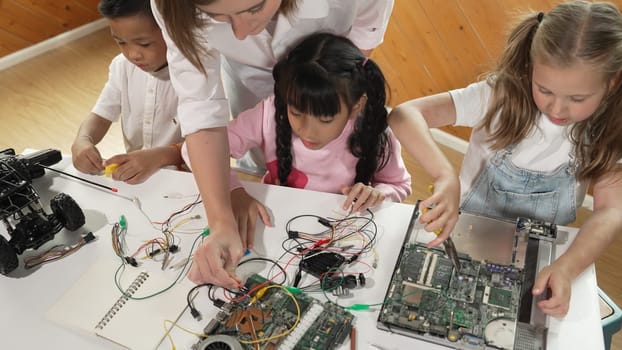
25,296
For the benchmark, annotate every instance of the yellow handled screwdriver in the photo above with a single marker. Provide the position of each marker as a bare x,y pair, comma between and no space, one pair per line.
448,244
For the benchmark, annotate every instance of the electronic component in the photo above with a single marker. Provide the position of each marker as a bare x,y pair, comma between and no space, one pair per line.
540,230
263,321
500,333
349,281
498,297
319,262
222,342
435,299
476,308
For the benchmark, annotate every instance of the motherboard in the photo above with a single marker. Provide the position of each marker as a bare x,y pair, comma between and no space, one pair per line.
485,304
476,307
274,318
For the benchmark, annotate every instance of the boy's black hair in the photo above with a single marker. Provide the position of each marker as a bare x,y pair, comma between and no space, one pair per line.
124,8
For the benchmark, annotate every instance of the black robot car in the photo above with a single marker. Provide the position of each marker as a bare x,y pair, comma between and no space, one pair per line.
27,223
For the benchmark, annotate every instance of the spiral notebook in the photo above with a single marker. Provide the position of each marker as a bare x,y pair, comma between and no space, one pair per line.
94,304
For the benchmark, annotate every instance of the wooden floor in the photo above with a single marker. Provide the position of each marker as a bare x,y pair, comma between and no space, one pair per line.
430,46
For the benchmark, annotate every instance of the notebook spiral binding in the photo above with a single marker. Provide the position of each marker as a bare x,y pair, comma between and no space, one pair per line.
118,305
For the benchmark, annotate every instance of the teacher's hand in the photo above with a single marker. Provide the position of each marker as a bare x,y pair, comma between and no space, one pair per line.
216,258
246,209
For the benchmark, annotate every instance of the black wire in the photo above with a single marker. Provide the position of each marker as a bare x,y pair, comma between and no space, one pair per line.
369,229
290,221
274,263
212,288
194,289
193,310
211,291
300,244
335,223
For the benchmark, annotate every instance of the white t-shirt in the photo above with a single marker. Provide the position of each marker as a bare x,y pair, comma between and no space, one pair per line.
546,148
146,104
249,62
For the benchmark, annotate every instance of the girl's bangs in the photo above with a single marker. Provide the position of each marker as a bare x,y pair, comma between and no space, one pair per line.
311,93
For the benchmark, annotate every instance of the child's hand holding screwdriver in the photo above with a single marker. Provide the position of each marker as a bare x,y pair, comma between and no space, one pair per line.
440,210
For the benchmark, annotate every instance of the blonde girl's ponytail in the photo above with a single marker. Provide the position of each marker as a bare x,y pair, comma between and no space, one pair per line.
511,83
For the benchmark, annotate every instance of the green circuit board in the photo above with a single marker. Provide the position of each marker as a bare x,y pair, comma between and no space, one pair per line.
265,322
470,309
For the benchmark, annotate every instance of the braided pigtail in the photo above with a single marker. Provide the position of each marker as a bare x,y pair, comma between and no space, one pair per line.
369,140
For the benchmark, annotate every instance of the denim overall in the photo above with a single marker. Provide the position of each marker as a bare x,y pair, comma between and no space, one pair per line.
504,190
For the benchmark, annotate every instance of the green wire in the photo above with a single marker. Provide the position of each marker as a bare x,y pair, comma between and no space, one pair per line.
123,222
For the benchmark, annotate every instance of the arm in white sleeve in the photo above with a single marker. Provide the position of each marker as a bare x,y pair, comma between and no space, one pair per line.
371,22
202,101
108,105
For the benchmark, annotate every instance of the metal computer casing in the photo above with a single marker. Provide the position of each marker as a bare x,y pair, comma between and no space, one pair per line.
420,298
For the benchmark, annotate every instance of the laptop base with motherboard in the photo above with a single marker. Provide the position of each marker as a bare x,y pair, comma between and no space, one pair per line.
488,304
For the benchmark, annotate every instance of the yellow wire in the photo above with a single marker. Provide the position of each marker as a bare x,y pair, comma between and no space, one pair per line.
174,324
181,222
287,331
163,246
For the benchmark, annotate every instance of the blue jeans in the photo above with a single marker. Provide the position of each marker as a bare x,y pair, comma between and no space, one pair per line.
504,190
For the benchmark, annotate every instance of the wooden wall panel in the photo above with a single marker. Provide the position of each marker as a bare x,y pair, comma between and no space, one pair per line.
420,48
67,13
10,43
27,22
483,18
29,26
457,37
433,46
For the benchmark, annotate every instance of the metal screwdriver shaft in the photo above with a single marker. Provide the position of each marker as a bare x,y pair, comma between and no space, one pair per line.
113,189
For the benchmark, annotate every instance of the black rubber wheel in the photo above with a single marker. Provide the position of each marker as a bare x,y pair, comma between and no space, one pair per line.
8,257
67,211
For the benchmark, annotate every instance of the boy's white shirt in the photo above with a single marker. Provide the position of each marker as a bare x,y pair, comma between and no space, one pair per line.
202,102
145,102
546,148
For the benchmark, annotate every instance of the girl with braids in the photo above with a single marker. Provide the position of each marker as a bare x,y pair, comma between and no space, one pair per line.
547,123
243,39
325,128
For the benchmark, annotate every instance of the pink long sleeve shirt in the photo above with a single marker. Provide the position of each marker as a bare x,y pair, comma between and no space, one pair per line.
327,169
